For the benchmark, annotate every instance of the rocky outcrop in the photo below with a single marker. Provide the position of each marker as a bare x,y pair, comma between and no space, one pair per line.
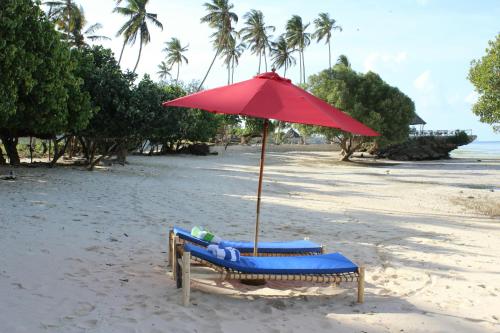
200,149
423,148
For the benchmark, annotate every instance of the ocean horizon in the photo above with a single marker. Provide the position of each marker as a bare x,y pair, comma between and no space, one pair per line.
478,149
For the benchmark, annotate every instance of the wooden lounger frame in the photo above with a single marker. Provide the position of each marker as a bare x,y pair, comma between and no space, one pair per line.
173,239
182,274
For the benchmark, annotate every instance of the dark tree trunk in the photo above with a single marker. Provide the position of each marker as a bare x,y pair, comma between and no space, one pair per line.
10,144
31,149
109,152
58,153
121,154
85,147
348,148
2,159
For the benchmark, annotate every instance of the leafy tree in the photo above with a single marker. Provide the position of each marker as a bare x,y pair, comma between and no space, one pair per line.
324,27
114,127
297,37
173,127
40,93
367,98
257,35
485,76
221,18
175,54
281,54
137,24
343,60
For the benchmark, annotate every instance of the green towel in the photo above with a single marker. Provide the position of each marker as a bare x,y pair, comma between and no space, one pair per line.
205,235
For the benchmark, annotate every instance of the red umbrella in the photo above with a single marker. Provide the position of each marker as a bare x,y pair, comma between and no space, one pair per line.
270,96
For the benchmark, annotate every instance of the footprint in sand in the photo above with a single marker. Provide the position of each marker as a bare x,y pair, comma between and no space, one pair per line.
84,308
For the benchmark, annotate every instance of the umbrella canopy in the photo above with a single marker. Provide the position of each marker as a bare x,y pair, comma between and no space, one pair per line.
270,96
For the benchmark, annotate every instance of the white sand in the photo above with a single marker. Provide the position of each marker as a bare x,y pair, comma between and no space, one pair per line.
86,252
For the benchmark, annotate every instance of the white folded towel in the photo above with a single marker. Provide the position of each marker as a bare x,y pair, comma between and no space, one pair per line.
226,253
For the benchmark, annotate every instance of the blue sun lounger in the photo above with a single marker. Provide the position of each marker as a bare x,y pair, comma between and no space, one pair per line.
330,268
295,247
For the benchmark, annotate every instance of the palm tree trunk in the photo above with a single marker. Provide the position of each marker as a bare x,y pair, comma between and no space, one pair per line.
329,56
178,69
209,68
300,67
139,57
232,73
265,59
284,74
121,53
303,66
229,73
260,58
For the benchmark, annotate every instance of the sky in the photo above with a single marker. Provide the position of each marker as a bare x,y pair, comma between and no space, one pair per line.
423,47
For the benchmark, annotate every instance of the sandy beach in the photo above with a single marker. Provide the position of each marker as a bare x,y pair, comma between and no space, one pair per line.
86,251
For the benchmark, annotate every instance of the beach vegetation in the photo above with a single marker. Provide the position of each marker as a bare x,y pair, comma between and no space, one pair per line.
484,74
257,35
366,98
324,28
221,18
40,91
136,25
175,54
297,38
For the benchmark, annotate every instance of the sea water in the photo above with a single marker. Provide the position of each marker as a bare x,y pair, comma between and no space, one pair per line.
479,149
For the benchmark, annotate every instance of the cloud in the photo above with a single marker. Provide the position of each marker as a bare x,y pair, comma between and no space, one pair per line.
472,97
377,59
423,82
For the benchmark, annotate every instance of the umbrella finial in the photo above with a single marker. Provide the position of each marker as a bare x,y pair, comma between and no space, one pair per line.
273,69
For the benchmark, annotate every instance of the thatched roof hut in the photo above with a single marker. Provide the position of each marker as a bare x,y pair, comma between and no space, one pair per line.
417,120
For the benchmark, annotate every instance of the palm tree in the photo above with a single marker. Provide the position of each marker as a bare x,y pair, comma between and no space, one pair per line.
342,60
281,54
257,34
219,17
77,37
137,24
70,18
175,54
297,37
324,27
61,12
232,54
163,70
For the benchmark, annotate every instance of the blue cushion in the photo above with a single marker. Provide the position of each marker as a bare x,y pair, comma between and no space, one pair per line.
296,246
319,264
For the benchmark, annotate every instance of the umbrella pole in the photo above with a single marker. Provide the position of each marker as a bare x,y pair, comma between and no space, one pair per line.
259,190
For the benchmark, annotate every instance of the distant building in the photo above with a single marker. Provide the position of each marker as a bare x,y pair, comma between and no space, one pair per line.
292,137
417,121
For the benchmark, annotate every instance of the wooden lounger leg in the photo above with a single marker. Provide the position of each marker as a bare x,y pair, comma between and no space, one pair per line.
186,278
170,250
175,256
361,285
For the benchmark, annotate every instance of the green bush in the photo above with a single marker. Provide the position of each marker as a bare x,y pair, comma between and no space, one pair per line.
460,138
